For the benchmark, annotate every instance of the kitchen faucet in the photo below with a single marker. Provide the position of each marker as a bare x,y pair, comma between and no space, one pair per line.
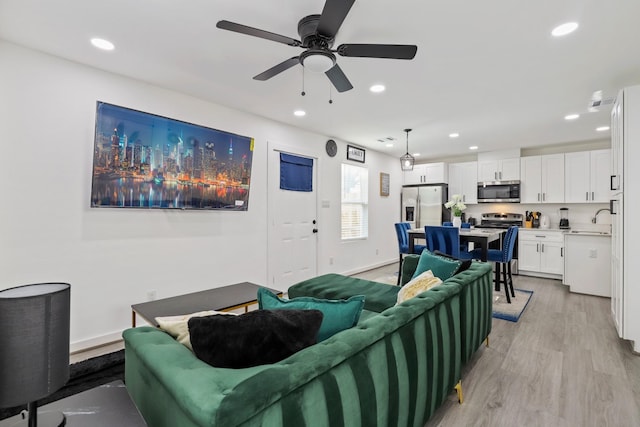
595,217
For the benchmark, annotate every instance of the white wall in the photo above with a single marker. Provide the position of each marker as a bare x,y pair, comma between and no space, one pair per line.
114,257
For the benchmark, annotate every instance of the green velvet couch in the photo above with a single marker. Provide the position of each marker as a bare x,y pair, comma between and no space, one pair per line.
476,297
395,367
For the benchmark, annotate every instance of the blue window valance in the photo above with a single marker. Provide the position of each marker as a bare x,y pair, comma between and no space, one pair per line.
296,173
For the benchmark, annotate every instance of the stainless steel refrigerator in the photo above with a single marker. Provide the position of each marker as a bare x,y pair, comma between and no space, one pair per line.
424,204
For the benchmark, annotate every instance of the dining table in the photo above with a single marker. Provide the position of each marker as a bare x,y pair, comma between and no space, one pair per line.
480,237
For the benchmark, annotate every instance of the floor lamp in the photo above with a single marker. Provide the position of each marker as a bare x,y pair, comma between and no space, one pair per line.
34,348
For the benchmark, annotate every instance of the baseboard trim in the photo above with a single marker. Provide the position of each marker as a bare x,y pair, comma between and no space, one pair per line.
84,345
371,267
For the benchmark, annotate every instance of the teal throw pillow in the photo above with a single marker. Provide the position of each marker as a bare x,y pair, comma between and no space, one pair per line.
440,266
338,314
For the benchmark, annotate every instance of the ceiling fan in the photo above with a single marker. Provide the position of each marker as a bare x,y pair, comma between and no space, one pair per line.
318,34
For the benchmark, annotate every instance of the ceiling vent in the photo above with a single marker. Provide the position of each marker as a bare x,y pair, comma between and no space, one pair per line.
597,101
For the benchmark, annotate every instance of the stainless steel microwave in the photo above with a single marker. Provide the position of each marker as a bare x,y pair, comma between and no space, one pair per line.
499,192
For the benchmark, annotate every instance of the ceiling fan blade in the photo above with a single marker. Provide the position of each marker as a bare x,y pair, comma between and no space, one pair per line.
250,31
393,51
285,65
332,16
339,80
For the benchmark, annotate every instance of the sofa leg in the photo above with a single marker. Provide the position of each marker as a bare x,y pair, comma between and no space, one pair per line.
458,388
486,341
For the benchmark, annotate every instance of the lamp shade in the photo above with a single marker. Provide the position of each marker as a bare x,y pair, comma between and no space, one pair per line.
34,341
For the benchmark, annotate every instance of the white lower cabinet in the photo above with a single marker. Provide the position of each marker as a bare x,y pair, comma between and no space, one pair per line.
588,264
541,253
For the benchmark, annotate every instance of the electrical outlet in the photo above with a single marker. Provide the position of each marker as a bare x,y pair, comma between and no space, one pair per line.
377,252
152,295
330,260
593,253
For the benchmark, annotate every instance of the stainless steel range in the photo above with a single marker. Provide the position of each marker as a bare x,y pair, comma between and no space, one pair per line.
500,220
503,221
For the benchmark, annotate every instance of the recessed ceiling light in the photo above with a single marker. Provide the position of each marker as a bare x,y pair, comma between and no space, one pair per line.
571,116
377,88
389,145
454,135
564,29
416,154
602,128
102,43
299,113
473,147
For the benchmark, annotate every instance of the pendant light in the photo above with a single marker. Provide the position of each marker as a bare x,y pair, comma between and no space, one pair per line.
407,161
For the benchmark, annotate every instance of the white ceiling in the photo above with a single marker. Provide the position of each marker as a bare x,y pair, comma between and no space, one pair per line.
489,70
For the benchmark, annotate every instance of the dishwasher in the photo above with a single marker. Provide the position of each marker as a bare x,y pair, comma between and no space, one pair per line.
587,263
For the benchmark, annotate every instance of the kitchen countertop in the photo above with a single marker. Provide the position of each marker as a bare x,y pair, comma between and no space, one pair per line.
576,230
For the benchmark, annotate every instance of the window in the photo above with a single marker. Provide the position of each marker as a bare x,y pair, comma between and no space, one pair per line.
355,191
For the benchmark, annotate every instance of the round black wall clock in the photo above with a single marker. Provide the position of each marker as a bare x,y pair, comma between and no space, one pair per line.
331,147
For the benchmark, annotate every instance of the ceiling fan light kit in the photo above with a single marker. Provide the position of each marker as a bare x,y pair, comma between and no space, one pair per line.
407,161
317,60
318,33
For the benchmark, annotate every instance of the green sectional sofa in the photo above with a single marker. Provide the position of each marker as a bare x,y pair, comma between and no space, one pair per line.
395,368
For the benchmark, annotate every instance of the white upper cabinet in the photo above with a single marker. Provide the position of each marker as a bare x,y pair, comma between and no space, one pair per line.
427,173
463,180
499,170
542,179
587,175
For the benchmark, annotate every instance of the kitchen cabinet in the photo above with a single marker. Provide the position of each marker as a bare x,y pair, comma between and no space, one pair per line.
542,179
427,173
463,180
499,170
587,263
541,253
625,142
587,175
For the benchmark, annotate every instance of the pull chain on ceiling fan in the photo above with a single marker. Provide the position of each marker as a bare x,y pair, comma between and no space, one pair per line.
318,33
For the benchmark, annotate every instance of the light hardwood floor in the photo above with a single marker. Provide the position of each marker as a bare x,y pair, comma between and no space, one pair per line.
561,364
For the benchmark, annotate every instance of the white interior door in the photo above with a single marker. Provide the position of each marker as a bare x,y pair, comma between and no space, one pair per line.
292,221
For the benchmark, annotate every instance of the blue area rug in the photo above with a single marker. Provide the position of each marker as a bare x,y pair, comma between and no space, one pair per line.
511,312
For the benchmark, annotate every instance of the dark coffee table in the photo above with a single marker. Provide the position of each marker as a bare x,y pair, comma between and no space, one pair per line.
107,405
225,298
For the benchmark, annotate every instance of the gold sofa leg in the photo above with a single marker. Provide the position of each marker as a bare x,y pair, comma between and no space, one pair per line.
486,341
458,389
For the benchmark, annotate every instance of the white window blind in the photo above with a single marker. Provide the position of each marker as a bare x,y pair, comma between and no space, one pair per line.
355,191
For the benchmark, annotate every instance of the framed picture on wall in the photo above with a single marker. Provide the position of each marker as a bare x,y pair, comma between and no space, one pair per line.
384,184
142,160
356,154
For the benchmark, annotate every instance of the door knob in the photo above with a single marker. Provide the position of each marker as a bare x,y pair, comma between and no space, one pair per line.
315,230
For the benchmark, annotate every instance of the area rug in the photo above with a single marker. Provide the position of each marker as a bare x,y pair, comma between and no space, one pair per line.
513,311
83,375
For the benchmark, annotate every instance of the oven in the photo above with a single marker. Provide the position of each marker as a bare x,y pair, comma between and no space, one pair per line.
499,192
503,221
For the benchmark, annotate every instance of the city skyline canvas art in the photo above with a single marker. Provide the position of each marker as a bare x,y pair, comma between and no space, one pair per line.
142,160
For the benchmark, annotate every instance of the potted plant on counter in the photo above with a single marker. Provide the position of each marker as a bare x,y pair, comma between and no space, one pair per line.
456,205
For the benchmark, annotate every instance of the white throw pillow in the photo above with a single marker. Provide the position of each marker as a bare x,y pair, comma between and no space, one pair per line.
178,326
418,285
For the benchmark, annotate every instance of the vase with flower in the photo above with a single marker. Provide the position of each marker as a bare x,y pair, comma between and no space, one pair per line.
456,205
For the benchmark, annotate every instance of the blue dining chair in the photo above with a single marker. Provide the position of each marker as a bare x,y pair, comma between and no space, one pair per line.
402,229
464,247
445,239
502,258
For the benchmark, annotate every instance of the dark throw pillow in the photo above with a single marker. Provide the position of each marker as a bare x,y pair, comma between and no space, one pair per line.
338,314
255,338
